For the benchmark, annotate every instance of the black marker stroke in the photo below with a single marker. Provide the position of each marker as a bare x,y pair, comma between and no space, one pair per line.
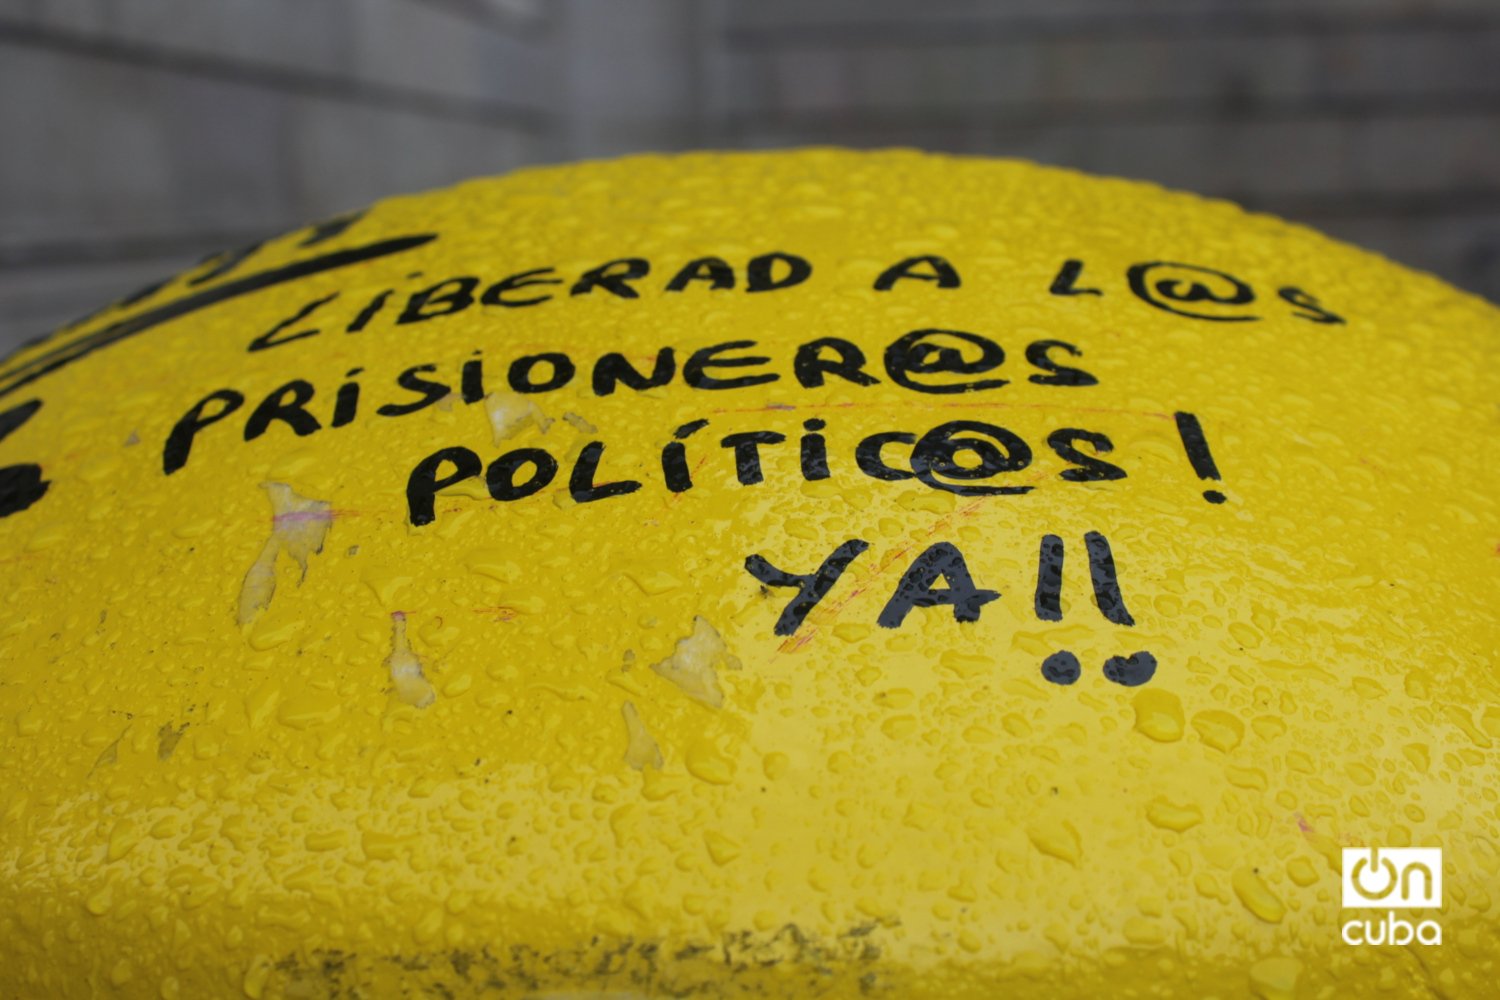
65,354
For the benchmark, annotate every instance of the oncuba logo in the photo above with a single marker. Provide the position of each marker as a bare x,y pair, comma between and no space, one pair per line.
1392,878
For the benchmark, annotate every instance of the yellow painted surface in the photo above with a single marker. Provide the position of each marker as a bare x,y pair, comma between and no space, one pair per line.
261,734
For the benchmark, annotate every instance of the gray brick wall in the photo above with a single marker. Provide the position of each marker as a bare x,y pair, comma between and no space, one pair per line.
1375,120
142,134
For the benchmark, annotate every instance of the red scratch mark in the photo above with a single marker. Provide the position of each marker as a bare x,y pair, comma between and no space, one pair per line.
793,643
499,612
926,405
297,516
671,501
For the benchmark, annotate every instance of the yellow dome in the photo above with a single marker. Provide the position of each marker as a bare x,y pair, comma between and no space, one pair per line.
762,574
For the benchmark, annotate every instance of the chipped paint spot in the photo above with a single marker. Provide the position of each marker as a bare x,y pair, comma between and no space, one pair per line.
692,664
642,751
260,582
110,754
167,738
405,668
580,424
298,527
511,411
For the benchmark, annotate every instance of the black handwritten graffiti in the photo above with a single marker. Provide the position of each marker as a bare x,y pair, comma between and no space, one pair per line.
1194,291
934,459
1130,671
944,563
1062,667
811,587
20,485
964,457
1189,284
943,352
24,373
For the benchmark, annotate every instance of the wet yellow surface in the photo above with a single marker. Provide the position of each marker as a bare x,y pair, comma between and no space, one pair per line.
812,573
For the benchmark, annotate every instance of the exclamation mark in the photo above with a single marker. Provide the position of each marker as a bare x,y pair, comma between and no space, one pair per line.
1106,580
1049,579
1198,454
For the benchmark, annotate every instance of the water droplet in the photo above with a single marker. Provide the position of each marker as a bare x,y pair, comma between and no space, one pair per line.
309,708
1059,840
1301,871
722,849
1219,730
653,581
1419,756
705,762
122,839
967,665
1246,777
1275,978
1170,816
1144,932
256,976
899,726
1257,896
1158,714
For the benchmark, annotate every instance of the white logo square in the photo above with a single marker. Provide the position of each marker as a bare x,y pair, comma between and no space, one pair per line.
1393,877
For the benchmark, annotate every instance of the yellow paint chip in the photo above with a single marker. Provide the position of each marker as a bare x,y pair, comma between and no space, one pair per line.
404,668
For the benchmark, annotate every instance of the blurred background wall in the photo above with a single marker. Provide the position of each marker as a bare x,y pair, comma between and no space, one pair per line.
136,136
